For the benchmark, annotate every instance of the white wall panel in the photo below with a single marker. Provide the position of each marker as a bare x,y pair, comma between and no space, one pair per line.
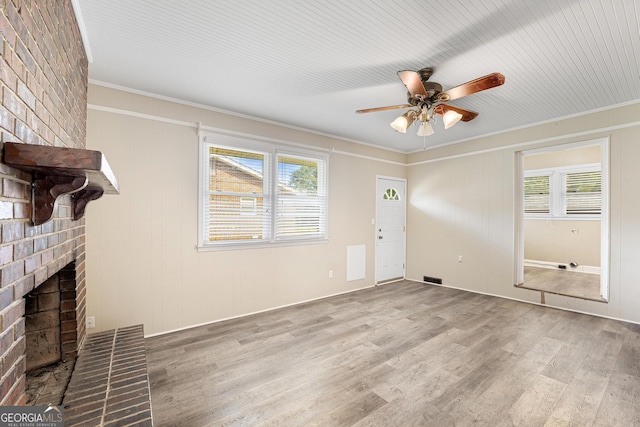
142,263
462,203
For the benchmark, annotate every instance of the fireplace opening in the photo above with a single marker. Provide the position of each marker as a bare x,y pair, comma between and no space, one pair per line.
51,337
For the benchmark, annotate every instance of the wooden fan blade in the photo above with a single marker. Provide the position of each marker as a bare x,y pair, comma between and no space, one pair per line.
477,85
413,82
466,115
388,107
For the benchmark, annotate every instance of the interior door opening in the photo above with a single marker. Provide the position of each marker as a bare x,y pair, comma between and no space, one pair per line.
562,225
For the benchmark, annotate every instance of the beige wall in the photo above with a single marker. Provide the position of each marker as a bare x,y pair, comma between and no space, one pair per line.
569,157
462,203
143,266
556,241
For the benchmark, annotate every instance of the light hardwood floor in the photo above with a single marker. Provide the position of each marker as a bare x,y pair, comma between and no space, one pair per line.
403,354
563,282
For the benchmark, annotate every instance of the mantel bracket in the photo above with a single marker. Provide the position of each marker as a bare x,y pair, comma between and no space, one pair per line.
59,171
82,198
47,189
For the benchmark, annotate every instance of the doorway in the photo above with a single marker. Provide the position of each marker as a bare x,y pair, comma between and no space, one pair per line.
391,207
562,220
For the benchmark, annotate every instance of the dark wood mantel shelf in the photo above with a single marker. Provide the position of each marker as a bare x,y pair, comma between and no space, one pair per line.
58,171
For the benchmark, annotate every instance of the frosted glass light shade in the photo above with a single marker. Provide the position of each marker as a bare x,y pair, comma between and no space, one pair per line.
403,122
450,118
425,129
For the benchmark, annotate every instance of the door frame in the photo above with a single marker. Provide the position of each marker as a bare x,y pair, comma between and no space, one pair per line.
604,144
375,228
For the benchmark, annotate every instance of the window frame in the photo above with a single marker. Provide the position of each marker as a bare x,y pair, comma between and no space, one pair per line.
557,192
322,192
272,153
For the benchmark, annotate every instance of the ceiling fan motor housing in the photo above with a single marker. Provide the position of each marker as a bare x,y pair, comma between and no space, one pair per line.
432,90
425,74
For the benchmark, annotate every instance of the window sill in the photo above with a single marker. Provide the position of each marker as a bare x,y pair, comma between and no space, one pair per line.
564,218
259,245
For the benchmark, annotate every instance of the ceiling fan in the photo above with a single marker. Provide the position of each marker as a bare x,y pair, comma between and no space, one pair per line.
426,99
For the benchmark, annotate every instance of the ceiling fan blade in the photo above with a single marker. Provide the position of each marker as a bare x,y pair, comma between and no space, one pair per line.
466,115
413,82
388,107
477,85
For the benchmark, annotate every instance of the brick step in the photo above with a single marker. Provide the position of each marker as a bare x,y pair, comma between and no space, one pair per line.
109,385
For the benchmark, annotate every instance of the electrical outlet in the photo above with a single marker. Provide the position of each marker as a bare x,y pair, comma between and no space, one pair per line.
91,322
330,274
459,258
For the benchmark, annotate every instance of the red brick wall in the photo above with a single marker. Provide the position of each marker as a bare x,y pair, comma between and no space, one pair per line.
232,179
43,85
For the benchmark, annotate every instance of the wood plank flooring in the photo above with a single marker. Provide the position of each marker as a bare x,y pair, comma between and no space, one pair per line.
563,282
403,354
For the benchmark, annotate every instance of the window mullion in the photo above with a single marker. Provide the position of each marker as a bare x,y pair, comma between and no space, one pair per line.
273,200
557,194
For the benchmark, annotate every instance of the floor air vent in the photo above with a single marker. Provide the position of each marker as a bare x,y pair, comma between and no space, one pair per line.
430,279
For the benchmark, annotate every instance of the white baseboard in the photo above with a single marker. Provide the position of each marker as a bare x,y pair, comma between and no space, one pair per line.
589,269
533,302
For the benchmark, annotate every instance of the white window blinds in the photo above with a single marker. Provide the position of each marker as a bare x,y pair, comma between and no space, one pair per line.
258,193
237,207
573,191
537,194
301,200
583,193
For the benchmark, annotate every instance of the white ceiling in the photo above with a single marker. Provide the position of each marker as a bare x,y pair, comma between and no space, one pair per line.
311,64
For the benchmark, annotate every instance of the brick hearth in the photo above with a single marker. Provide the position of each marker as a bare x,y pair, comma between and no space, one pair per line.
110,385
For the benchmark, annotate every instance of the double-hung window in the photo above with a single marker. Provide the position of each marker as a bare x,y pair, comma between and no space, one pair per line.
257,193
563,192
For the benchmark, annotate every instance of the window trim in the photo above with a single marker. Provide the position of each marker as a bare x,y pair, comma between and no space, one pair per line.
273,150
557,197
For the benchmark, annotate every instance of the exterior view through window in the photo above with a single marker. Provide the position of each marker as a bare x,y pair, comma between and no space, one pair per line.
262,195
559,192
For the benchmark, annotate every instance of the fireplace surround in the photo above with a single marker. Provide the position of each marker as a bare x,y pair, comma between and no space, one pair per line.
43,82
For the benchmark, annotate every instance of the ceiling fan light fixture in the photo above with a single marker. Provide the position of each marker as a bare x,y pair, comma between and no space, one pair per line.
425,129
450,118
425,114
404,121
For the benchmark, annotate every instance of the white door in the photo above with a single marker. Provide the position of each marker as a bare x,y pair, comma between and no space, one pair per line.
390,228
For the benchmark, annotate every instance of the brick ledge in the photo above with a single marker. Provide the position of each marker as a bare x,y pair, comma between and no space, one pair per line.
110,385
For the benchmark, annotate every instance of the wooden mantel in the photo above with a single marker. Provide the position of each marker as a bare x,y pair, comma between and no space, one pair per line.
58,171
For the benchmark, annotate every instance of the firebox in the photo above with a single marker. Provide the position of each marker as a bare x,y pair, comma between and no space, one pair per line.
51,336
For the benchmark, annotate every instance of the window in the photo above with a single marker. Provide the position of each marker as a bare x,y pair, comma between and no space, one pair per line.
563,192
260,193
300,201
537,194
391,194
584,193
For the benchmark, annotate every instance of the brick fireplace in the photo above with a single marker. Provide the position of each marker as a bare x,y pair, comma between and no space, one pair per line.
43,100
